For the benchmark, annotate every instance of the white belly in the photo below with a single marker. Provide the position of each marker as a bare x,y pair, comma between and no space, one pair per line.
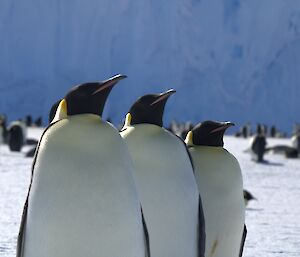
219,178
83,200
167,188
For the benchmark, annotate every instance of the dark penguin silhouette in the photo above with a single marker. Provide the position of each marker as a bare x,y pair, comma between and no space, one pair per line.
273,131
3,129
258,145
248,196
15,138
288,151
28,120
39,122
245,131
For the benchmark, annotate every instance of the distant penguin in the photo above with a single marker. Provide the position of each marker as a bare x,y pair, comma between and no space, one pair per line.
245,132
273,131
82,200
16,135
288,151
248,197
38,122
296,141
164,176
220,182
28,120
258,145
3,130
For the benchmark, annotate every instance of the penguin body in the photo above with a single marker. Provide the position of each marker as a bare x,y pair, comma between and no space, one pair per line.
17,133
167,188
258,147
258,144
3,130
296,141
82,199
219,179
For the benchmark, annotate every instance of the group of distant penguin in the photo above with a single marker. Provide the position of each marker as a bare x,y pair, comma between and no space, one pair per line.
15,134
258,144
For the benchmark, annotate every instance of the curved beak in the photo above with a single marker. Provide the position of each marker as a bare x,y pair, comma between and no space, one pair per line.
164,96
110,83
223,126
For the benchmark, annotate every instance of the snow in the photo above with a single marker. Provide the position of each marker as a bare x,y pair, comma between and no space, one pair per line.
272,221
228,59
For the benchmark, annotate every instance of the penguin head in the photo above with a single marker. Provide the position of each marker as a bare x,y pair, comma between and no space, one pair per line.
148,109
248,197
87,98
208,133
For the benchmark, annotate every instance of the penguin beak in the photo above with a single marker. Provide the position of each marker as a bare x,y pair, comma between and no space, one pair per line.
223,126
109,83
163,96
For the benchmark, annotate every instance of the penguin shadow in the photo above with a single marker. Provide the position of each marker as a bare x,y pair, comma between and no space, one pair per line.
265,162
254,209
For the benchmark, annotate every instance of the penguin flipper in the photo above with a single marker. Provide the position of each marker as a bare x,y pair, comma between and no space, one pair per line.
21,238
147,241
243,241
201,230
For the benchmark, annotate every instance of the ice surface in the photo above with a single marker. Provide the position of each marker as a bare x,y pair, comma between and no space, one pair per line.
228,59
272,221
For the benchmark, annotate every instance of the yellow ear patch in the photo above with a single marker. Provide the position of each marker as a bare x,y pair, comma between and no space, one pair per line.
189,139
61,112
128,120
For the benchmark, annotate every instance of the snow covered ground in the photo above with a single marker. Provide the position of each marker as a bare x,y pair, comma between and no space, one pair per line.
272,221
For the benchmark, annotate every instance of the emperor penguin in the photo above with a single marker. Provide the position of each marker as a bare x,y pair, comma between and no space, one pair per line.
82,199
248,197
258,144
165,181
220,183
3,130
17,134
296,141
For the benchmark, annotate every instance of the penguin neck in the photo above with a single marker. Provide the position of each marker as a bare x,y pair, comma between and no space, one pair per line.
85,117
142,128
207,147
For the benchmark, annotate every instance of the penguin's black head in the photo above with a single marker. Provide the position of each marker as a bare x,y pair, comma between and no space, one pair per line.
248,196
149,109
90,97
208,133
87,98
